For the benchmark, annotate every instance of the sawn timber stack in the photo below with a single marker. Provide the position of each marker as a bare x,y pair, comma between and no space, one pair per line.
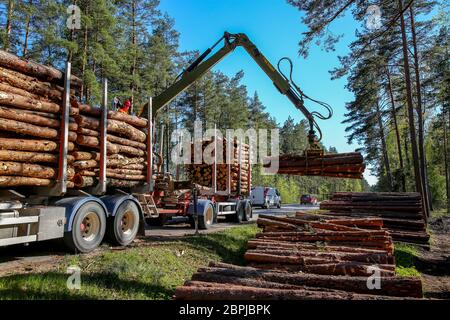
308,257
401,212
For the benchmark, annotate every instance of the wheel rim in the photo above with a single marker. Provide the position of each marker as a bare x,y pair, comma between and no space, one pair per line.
127,222
209,215
90,226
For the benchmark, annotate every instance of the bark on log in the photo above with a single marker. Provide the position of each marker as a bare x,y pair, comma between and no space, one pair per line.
124,161
234,292
21,102
19,115
87,173
127,171
84,155
132,120
85,164
82,181
19,80
88,132
126,130
28,145
390,286
93,142
110,174
9,168
28,156
123,183
24,93
16,181
28,129
89,110
126,142
31,68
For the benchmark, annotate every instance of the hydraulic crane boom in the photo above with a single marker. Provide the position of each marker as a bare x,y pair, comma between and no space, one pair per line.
284,84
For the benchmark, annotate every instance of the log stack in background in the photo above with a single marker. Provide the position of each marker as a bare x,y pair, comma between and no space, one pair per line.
339,165
30,112
126,149
401,212
202,173
308,257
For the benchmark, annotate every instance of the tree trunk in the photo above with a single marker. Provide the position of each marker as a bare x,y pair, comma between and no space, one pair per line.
387,164
446,159
9,23
84,57
8,168
15,181
19,115
412,126
27,31
21,102
134,48
397,133
420,120
28,129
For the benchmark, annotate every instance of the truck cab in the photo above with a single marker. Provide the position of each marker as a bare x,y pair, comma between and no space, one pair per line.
265,197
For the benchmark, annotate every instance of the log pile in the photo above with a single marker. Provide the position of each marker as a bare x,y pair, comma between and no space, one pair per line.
401,212
338,165
126,148
308,257
202,174
30,112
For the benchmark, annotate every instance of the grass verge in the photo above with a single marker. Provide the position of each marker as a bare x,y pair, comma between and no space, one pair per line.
404,259
147,272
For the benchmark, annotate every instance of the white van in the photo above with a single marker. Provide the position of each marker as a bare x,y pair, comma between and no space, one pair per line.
265,197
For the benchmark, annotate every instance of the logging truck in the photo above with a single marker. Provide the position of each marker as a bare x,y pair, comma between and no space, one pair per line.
91,173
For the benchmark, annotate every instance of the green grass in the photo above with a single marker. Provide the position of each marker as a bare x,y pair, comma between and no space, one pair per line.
404,258
146,272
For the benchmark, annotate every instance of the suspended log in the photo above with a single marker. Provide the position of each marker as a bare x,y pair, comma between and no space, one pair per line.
9,168
28,129
19,80
10,61
126,142
83,181
28,156
21,102
390,286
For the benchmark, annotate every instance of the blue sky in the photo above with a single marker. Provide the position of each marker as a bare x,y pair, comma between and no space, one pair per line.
275,27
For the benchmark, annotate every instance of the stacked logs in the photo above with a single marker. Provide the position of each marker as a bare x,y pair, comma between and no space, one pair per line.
30,112
401,212
338,165
202,174
126,148
308,257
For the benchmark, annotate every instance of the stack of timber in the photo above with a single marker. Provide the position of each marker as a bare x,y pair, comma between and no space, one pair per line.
239,166
401,212
30,119
338,165
126,148
308,258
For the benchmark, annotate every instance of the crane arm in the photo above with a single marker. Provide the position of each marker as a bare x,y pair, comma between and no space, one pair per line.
284,85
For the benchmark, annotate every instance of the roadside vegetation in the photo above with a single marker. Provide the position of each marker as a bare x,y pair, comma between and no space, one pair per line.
151,271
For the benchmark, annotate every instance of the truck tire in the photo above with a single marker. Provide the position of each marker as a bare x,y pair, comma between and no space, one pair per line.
248,211
207,219
88,228
124,226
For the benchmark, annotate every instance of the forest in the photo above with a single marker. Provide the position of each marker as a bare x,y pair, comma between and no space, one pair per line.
398,74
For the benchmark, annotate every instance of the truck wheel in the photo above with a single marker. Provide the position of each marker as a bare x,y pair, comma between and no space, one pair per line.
88,228
248,212
206,221
123,227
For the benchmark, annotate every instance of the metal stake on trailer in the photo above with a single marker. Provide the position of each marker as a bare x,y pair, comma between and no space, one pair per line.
60,186
100,188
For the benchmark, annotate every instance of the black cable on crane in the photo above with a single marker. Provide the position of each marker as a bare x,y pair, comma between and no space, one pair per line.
302,96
